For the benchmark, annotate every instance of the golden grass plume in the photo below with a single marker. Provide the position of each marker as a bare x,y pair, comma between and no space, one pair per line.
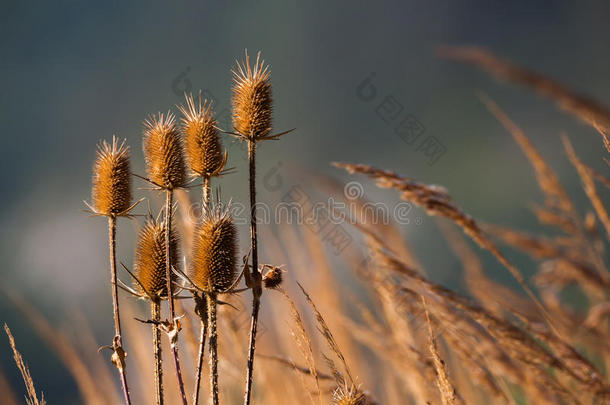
32,397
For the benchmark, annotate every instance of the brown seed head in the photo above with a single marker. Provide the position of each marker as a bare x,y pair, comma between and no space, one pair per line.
163,151
203,149
252,101
150,258
273,278
111,192
214,251
348,396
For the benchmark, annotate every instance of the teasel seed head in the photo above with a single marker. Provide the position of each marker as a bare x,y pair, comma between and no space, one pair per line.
349,396
111,194
252,101
163,151
150,258
273,278
202,142
213,263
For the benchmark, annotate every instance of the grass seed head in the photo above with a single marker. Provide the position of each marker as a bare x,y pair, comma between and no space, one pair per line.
150,257
348,396
202,142
163,151
215,249
252,100
111,192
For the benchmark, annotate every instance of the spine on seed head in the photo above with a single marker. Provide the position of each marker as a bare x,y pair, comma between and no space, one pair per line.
214,264
163,151
202,142
111,194
252,100
150,258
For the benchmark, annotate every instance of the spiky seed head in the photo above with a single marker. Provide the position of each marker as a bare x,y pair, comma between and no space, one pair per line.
252,101
203,148
150,258
213,266
111,193
163,151
273,278
349,396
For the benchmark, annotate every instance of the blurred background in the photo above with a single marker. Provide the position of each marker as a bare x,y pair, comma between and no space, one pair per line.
75,73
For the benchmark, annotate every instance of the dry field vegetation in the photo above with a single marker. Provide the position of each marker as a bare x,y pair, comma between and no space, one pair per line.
391,337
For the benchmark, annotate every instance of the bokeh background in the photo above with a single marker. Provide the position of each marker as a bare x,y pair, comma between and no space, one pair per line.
74,73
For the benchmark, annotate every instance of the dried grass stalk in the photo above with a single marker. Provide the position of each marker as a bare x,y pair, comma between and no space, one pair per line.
555,195
449,394
66,353
589,110
32,397
588,184
437,201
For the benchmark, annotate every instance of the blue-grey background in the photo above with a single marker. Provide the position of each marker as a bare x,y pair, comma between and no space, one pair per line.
76,72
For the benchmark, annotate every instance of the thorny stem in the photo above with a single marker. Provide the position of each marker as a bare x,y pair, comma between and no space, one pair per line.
211,300
202,311
201,308
206,191
155,309
117,343
168,273
253,280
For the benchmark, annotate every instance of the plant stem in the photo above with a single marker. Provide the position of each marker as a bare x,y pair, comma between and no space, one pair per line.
168,273
118,342
155,309
202,311
254,279
211,299
201,307
206,191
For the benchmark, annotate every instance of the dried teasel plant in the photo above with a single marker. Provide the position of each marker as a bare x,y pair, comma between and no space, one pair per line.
252,100
151,284
163,152
203,148
111,197
166,170
206,160
252,105
273,277
213,270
